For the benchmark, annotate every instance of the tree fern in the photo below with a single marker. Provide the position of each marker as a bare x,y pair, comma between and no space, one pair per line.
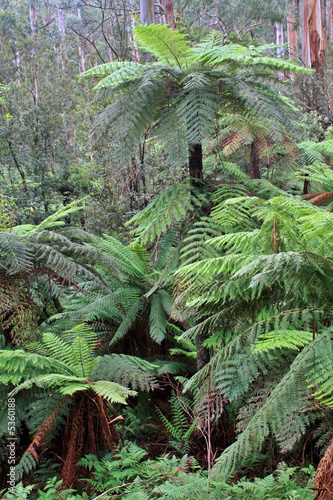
272,415
168,48
67,369
183,94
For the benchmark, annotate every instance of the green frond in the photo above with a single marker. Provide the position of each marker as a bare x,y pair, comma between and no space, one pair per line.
168,46
26,465
282,339
127,260
15,255
115,393
160,309
58,381
198,109
271,416
55,346
166,209
18,364
170,129
128,320
55,219
140,112
103,307
127,371
113,73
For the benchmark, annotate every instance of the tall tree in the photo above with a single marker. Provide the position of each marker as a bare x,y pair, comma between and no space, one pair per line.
313,46
168,13
183,94
147,14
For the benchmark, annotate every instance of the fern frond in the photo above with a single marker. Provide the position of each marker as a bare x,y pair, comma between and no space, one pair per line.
212,52
15,255
271,416
169,46
127,371
168,208
115,393
128,320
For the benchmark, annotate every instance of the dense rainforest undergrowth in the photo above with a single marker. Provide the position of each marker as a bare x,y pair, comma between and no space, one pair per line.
166,250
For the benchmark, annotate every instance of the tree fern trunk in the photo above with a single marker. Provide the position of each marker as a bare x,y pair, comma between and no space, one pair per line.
202,352
195,163
195,172
255,170
324,476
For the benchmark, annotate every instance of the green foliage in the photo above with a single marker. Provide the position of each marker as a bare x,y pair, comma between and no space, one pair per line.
169,48
270,285
179,428
51,492
137,285
181,97
169,479
165,210
63,364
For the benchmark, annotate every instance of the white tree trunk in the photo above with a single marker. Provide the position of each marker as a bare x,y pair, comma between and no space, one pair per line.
81,46
279,38
62,31
313,47
147,11
32,14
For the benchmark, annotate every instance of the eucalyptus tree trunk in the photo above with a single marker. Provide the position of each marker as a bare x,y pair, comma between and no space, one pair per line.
147,11
292,34
32,15
81,44
313,46
279,41
62,31
329,21
279,38
168,13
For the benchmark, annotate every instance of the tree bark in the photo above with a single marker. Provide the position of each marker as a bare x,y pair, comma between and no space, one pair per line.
32,14
279,38
62,31
329,20
168,14
81,44
147,11
292,35
255,170
323,480
195,163
313,46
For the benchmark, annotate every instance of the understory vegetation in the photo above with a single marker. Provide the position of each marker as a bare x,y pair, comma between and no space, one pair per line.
166,266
